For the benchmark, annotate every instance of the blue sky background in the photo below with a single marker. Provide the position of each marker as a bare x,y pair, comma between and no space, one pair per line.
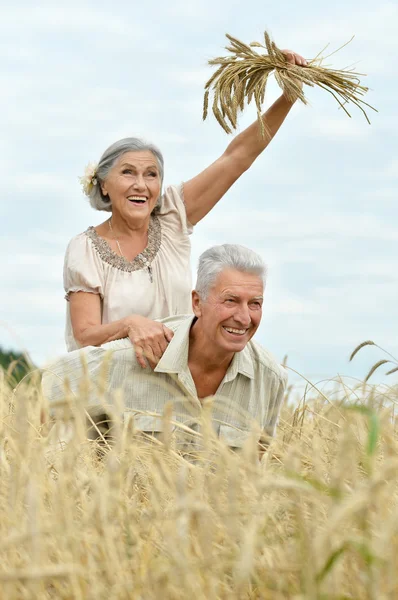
320,204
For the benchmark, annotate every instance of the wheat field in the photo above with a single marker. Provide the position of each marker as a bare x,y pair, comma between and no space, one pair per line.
317,518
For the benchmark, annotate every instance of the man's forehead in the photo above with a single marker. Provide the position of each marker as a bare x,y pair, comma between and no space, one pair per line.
236,282
238,291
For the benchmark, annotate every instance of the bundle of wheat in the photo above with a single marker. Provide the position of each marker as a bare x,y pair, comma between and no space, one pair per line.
243,76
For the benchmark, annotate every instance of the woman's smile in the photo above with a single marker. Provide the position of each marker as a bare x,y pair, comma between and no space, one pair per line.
137,200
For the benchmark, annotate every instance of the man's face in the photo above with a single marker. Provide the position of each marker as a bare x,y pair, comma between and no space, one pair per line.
231,314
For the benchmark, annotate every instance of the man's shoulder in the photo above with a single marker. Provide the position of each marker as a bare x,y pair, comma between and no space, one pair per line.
264,360
124,344
176,321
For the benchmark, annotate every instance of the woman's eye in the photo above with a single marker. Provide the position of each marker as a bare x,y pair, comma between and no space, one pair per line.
152,174
126,171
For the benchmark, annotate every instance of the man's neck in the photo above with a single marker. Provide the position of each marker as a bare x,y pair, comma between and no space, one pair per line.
203,355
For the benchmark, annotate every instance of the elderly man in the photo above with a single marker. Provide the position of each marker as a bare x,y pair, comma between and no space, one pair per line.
211,354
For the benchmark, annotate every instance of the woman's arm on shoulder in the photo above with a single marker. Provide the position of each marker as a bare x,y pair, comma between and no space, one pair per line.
85,315
203,192
149,338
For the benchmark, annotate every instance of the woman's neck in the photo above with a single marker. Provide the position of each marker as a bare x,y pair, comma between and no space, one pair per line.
124,228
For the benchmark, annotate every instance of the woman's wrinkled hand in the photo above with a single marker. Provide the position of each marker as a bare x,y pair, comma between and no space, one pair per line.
149,338
294,59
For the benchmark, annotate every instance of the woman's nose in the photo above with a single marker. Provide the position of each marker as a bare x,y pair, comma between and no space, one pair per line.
139,182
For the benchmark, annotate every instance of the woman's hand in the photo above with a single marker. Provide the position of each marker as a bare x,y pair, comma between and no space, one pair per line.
294,59
149,338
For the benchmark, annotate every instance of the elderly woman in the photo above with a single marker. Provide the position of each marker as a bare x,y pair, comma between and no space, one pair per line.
134,267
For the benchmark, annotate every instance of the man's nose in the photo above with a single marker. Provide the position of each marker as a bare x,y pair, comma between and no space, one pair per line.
242,315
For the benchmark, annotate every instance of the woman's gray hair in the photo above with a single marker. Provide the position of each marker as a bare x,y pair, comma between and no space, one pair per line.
227,256
107,162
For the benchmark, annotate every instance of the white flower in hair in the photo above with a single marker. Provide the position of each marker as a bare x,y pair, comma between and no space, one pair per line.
89,179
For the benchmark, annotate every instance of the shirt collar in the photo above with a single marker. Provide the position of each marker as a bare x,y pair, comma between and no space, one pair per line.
175,358
241,363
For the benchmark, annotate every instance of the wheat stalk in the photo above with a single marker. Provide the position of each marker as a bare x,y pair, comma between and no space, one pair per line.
242,77
316,519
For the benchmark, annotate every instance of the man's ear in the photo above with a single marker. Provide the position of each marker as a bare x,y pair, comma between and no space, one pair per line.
196,304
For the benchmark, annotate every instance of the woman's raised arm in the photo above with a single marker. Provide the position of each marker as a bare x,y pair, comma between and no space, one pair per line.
201,193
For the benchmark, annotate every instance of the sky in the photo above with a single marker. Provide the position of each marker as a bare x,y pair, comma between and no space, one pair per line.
320,204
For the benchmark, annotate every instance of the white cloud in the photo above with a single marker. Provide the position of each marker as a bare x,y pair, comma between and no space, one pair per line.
291,305
33,303
193,77
375,26
265,224
340,128
36,183
72,18
391,169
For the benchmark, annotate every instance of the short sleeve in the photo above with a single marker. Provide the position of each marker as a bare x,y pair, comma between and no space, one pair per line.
173,211
83,268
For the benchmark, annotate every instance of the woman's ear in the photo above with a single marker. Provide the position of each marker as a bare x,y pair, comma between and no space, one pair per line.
196,304
103,188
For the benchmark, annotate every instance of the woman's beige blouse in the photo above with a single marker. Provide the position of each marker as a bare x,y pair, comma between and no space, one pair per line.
156,284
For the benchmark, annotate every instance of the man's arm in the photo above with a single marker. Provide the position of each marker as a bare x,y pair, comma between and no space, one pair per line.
82,373
276,403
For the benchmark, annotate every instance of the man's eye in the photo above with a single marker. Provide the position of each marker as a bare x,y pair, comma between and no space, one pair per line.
256,305
230,300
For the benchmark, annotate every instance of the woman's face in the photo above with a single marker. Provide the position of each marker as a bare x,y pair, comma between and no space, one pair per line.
133,185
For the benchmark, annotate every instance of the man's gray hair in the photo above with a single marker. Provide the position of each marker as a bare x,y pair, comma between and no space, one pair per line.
228,256
108,160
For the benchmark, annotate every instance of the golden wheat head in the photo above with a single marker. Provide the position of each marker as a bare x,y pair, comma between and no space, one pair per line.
242,76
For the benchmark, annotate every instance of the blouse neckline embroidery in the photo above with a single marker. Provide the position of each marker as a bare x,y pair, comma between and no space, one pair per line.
141,261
